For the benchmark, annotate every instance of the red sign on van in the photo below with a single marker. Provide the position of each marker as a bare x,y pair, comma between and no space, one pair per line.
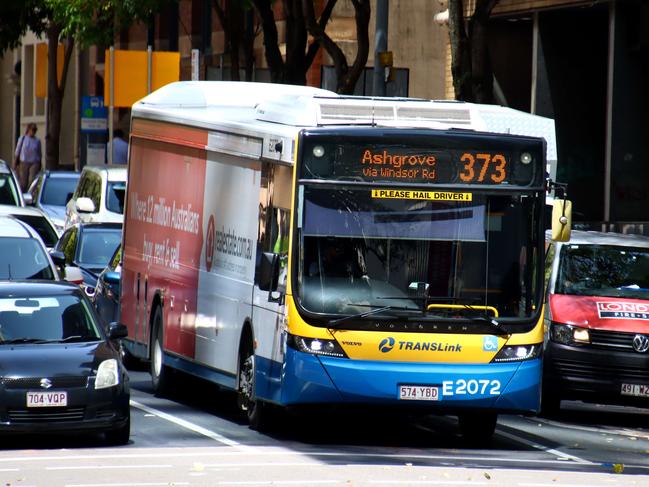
623,310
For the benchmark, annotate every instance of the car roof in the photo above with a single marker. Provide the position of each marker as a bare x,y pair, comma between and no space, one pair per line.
587,237
62,174
21,210
36,288
4,167
98,225
113,173
12,227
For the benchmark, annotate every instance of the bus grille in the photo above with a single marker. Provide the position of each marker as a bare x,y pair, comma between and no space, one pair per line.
46,415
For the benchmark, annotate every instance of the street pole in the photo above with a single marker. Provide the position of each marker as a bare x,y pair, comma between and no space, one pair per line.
380,46
111,93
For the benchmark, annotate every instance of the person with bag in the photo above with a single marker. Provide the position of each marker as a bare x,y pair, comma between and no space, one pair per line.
28,157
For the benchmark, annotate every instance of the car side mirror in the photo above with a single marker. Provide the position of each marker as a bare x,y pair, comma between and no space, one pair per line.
73,274
29,200
561,220
85,205
112,278
58,258
117,330
268,272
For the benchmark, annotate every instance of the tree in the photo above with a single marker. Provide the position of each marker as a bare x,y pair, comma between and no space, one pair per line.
239,36
300,22
87,22
470,62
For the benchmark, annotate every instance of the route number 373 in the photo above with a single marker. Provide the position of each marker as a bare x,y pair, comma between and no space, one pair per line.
478,167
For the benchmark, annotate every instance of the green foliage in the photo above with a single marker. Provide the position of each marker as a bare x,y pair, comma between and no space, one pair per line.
88,22
18,17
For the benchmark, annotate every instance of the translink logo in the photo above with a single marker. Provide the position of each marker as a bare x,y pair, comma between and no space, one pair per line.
387,344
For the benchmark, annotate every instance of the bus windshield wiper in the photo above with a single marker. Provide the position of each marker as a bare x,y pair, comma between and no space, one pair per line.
369,313
483,318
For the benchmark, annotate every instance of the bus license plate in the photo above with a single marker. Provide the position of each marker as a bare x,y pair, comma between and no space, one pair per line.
638,390
47,399
419,393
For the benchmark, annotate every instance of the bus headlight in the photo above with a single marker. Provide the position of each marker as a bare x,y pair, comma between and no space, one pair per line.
316,346
568,334
517,353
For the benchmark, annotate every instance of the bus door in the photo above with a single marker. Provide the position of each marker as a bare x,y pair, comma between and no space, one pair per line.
268,308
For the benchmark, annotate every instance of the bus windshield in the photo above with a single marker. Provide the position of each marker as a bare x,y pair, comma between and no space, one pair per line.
604,270
456,256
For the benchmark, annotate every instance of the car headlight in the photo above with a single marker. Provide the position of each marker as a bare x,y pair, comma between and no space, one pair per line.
517,353
107,374
568,334
316,346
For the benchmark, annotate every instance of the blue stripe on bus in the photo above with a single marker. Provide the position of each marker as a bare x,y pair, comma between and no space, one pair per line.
310,379
222,378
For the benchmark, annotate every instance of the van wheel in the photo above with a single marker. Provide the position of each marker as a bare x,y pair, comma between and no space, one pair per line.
159,372
256,410
550,403
478,427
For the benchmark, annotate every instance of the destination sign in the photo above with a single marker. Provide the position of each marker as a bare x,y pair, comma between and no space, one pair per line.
400,163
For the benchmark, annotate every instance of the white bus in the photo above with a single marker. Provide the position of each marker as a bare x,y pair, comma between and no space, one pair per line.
302,247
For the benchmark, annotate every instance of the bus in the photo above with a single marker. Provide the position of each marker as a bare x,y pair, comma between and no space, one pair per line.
303,248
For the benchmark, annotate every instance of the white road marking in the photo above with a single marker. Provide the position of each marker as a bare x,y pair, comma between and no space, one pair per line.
283,482
559,454
131,484
189,425
9,470
106,467
428,482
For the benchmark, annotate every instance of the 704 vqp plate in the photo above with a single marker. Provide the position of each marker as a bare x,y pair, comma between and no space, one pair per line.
418,393
39,399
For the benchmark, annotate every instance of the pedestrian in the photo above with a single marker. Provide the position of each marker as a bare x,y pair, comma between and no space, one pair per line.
120,147
28,157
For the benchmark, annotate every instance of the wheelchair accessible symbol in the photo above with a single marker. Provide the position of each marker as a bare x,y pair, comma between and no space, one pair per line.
489,343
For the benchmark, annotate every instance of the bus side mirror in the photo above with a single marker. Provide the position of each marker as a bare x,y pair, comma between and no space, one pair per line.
268,272
561,220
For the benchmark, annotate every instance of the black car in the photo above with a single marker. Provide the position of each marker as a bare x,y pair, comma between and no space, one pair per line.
60,370
106,296
90,246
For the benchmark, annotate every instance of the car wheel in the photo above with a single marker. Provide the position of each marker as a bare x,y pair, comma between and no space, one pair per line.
121,435
255,409
478,427
159,372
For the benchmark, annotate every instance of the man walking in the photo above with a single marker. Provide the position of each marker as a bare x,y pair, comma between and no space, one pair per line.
28,157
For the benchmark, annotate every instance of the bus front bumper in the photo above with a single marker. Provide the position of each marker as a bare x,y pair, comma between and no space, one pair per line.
507,387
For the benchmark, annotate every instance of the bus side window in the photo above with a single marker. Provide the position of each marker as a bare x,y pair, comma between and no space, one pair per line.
274,211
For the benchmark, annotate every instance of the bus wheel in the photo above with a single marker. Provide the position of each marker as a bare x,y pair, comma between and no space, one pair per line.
478,427
255,410
159,372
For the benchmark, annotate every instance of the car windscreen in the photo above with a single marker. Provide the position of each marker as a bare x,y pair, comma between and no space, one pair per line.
603,270
8,190
24,258
115,193
57,191
97,246
42,227
56,318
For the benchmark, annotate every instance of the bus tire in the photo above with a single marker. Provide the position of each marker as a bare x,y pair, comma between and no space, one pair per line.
159,372
478,427
256,410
